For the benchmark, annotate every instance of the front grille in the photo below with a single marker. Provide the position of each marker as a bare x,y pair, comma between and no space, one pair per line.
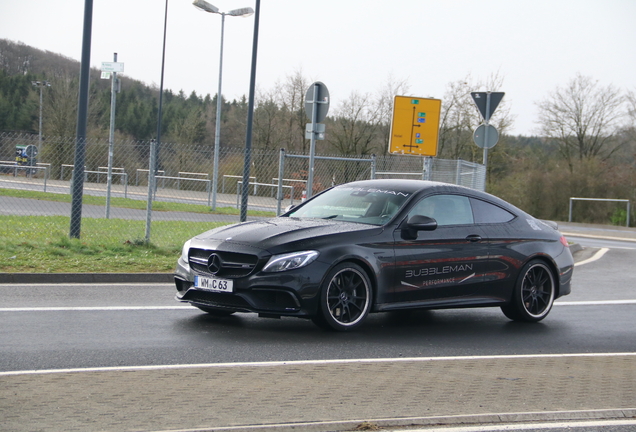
271,300
230,265
217,299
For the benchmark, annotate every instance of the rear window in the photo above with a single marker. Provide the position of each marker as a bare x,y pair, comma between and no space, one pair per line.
486,213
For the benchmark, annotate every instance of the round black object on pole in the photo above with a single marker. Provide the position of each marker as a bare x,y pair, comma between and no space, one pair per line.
479,136
322,101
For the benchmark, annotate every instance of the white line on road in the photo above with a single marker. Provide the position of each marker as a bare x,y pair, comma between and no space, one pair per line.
603,237
94,308
145,308
312,362
597,256
527,426
594,303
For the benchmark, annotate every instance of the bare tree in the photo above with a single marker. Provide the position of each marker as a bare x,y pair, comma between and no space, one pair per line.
292,104
269,121
357,121
583,118
460,117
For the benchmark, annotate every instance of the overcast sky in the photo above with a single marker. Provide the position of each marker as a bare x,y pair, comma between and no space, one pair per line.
350,45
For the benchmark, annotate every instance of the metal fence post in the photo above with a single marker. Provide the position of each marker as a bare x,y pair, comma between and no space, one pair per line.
281,172
373,166
151,187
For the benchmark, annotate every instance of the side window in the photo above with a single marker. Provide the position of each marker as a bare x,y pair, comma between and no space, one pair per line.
445,209
489,213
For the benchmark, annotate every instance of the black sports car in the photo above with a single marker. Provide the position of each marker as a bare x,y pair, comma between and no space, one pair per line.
380,245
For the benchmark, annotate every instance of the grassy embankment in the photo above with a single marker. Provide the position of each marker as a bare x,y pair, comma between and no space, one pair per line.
41,244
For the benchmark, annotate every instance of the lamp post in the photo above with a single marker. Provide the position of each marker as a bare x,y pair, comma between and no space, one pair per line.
243,12
41,85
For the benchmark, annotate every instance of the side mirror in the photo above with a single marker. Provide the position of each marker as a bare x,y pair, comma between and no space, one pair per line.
418,223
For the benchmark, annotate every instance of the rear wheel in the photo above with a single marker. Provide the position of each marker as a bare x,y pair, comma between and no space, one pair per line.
533,294
345,298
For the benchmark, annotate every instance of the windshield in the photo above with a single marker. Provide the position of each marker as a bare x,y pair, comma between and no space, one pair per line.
354,204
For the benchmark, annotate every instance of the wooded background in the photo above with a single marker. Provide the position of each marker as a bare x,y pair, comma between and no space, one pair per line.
585,145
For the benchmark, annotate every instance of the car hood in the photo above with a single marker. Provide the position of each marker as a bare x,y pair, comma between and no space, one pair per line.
276,232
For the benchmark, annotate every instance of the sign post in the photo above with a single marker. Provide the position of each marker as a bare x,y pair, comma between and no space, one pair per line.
486,136
107,69
316,106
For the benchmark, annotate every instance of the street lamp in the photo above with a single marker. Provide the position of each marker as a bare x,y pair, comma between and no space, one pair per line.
243,12
41,85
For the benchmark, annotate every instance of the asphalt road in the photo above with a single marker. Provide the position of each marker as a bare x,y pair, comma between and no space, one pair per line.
101,325
575,365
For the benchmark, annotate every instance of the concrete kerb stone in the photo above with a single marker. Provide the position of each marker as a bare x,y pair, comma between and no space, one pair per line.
415,422
87,278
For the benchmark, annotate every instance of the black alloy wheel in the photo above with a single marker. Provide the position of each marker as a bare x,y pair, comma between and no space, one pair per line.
534,293
345,298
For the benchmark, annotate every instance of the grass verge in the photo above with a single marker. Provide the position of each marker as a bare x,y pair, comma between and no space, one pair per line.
130,203
40,244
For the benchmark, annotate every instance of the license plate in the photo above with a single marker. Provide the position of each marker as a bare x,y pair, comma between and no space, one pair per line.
213,284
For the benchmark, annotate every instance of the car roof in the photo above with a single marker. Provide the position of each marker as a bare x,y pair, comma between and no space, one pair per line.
410,186
425,186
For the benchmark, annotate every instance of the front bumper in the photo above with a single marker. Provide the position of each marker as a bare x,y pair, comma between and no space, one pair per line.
289,293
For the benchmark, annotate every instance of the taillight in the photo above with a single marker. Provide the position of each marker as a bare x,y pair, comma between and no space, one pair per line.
564,241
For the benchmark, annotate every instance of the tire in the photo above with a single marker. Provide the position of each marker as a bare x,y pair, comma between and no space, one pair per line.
533,294
346,297
219,313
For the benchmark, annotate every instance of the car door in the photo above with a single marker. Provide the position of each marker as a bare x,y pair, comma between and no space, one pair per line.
448,262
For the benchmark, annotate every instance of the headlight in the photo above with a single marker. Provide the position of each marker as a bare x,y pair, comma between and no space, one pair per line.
290,261
185,250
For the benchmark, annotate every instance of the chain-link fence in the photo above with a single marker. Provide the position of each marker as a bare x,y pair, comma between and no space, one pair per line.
36,179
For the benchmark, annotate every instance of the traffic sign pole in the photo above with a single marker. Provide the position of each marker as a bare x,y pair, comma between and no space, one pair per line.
487,120
312,145
486,103
111,140
317,106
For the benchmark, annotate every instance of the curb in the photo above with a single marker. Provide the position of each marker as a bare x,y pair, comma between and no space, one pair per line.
87,278
415,422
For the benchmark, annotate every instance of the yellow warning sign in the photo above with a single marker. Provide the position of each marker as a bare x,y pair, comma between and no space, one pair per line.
415,126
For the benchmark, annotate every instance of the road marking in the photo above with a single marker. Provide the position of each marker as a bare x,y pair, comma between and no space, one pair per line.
91,284
594,303
311,362
190,308
94,308
597,256
598,237
527,426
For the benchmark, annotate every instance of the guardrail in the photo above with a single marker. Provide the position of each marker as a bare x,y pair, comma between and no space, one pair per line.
238,177
162,172
601,200
124,175
278,199
208,183
104,170
28,170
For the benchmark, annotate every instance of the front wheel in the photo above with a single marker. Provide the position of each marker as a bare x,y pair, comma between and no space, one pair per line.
345,298
533,294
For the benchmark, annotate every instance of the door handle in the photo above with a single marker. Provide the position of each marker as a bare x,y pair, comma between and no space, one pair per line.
473,238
